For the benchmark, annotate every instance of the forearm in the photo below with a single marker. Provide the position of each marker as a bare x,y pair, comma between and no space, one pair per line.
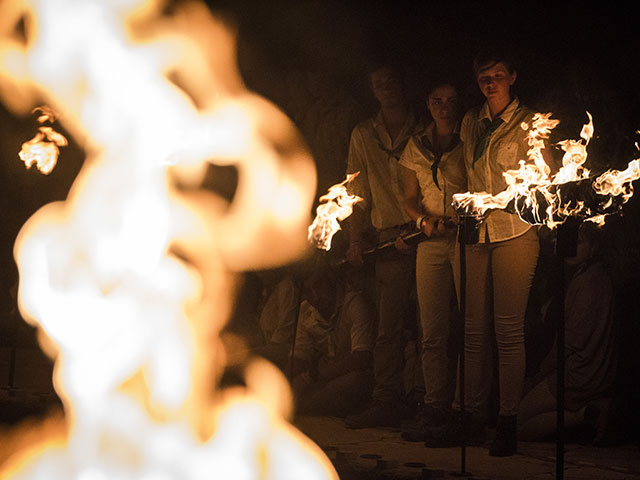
354,225
412,194
413,208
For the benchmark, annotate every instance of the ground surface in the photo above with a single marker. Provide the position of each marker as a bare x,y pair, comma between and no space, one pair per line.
382,454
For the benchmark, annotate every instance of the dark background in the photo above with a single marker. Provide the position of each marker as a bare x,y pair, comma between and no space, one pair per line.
577,50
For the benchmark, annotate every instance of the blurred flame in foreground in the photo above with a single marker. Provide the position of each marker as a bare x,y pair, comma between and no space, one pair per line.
338,205
42,149
131,277
539,198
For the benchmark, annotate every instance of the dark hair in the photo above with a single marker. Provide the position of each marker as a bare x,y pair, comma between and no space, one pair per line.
433,85
383,64
487,58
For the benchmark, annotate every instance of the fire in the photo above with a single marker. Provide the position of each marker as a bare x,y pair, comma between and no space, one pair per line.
618,183
541,198
338,206
130,278
42,149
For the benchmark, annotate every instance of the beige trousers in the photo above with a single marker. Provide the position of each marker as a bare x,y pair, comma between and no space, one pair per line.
499,277
437,267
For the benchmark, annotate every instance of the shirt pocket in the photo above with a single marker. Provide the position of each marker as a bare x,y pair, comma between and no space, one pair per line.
507,156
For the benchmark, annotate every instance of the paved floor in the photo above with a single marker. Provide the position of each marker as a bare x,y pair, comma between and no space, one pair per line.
382,454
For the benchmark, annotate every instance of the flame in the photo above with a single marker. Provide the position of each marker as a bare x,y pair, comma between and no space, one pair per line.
614,182
130,278
338,206
539,197
42,149
575,156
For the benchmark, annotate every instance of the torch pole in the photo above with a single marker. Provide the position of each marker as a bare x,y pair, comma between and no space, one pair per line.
463,309
560,378
566,246
467,235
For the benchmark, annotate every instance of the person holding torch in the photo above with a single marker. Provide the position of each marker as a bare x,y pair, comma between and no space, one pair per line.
374,151
433,171
500,268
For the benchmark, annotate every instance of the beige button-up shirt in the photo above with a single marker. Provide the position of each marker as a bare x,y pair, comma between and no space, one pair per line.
506,147
376,157
451,174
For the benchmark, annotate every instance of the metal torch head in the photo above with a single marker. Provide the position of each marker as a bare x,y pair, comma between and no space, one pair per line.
469,229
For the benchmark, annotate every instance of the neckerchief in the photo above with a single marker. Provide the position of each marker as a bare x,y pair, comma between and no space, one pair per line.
483,141
392,152
437,156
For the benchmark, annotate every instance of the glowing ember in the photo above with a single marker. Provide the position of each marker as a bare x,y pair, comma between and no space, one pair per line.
43,148
131,277
338,206
539,198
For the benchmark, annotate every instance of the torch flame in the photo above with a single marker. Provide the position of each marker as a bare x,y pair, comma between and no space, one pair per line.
618,183
131,277
537,197
42,149
338,206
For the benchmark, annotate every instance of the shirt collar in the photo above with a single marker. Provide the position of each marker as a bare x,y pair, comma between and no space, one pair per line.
378,122
505,116
431,128
428,132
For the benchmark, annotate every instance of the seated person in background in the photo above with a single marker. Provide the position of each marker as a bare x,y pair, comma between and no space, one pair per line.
263,321
333,348
590,345
331,370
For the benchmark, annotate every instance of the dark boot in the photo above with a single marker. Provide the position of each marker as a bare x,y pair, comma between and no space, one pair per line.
505,444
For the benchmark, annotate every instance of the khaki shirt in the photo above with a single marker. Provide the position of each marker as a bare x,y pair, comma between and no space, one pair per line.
375,156
451,174
506,147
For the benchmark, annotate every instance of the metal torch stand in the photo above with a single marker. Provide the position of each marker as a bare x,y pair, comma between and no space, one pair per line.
467,235
566,246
